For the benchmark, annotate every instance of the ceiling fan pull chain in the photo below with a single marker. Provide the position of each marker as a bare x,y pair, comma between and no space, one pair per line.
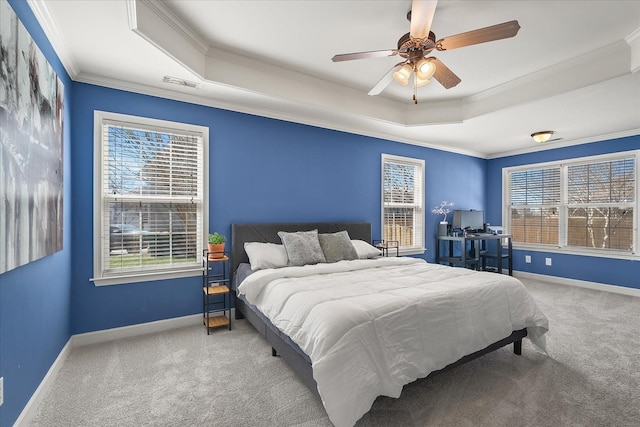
415,83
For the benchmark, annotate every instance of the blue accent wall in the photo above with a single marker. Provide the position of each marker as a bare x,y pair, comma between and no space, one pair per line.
260,170
610,271
35,298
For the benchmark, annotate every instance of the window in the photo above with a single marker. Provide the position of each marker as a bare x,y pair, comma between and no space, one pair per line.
587,204
150,203
403,202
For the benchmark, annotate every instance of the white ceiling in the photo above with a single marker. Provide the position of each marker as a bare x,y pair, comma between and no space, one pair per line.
572,68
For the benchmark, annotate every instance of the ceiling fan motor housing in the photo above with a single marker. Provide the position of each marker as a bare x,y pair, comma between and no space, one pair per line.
411,48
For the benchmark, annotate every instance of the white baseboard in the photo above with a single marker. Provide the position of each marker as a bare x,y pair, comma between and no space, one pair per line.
94,338
579,283
107,335
32,405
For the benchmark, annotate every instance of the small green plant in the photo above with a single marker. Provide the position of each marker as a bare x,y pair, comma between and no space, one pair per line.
216,238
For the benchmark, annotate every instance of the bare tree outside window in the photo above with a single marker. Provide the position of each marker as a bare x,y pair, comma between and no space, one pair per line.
600,205
586,204
152,198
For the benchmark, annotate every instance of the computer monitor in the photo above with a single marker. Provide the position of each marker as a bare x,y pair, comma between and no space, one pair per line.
473,220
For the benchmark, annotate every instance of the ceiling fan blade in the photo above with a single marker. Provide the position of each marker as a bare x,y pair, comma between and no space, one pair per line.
384,81
421,17
481,35
444,75
364,55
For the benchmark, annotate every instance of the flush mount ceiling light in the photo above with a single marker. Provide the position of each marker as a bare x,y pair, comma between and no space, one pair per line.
542,136
179,82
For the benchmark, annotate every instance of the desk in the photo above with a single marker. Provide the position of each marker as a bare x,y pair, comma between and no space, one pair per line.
480,251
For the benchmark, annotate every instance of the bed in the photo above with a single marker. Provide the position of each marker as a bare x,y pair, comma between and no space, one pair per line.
350,369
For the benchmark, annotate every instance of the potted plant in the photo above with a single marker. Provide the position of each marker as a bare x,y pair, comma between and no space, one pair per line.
216,245
443,209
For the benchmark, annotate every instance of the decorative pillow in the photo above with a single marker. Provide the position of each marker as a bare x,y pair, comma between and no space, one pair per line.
337,246
266,255
365,250
303,247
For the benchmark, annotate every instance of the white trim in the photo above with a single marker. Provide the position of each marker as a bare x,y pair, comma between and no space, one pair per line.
172,20
566,143
30,409
145,277
57,40
562,165
390,158
575,160
99,118
123,332
319,118
634,292
596,253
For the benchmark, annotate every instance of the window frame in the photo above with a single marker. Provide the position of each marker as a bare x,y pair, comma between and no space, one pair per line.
565,205
419,215
179,271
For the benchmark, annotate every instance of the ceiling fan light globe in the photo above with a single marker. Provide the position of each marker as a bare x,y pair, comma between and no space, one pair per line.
402,75
421,82
426,69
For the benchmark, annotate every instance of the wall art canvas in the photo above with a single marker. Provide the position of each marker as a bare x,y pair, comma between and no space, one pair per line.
31,119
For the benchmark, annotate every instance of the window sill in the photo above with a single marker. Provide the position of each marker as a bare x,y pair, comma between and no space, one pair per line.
146,277
578,252
412,251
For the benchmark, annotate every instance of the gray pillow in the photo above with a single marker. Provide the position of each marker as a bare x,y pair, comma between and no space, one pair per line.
303,247
337,246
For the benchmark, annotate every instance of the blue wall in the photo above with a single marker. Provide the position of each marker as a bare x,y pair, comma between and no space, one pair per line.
35,298
593,269
261,170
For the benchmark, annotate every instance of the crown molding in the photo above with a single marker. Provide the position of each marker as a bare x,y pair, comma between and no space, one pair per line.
248,102
567,143
166,15
60,45
218,66
633,40
567,76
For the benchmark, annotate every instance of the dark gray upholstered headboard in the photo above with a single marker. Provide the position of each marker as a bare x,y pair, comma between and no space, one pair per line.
241,233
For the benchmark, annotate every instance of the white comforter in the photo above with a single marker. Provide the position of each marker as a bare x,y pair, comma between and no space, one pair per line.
372,326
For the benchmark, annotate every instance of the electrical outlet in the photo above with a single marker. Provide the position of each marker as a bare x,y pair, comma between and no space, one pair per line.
1,390
527,259
547,261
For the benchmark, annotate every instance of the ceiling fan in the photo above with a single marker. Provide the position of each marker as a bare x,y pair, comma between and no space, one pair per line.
419,42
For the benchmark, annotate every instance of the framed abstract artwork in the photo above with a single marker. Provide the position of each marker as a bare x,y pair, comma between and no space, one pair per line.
31,157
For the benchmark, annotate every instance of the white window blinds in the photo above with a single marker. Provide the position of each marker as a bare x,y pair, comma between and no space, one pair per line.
152,198
600,205
403,202
589,203
535,202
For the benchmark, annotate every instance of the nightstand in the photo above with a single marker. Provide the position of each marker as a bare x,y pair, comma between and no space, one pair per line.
386,245
216,296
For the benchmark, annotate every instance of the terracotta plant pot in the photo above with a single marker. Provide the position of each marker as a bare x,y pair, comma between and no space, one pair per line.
216,250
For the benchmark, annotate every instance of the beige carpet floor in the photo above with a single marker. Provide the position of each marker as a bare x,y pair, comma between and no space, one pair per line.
183,377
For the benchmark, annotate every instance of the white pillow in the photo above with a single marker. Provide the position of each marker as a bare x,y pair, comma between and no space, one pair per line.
266,255
365,250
